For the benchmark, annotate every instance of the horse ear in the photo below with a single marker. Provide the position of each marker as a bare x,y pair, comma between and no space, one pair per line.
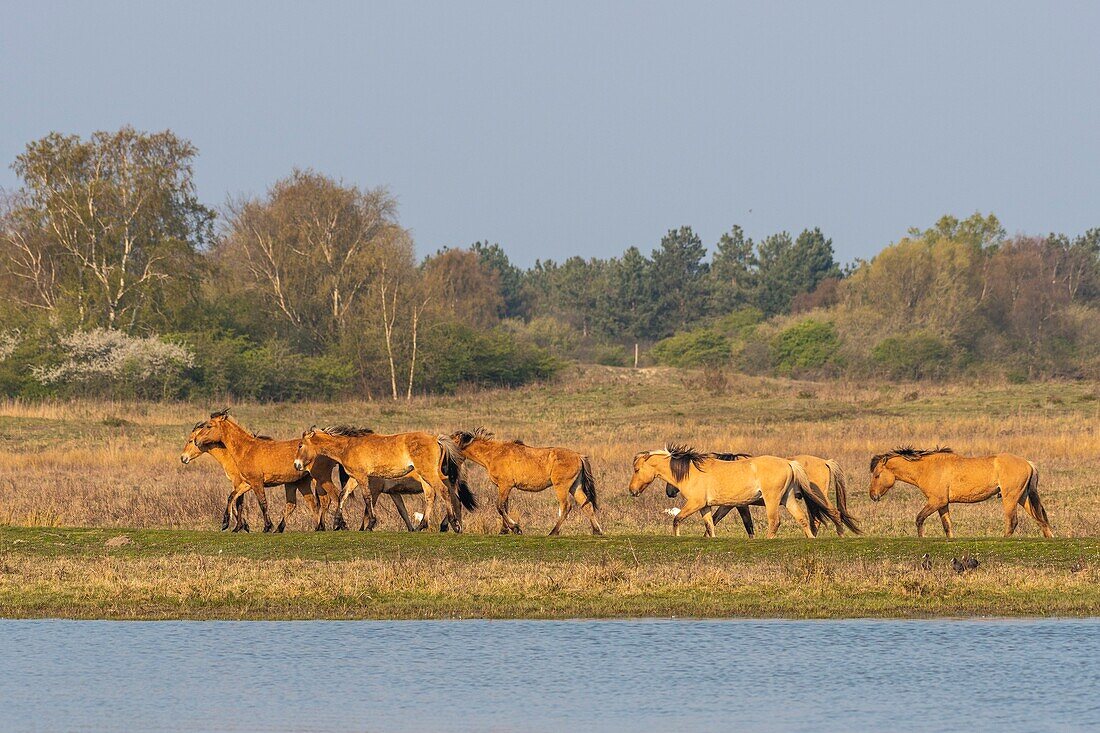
224,412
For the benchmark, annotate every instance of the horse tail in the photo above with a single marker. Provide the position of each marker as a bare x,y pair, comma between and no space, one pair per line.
342,474
839,483
817,504
451,459
586,483
465,494
1032,494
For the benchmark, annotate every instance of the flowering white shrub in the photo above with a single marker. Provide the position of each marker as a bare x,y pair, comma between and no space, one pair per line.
9,340
111,357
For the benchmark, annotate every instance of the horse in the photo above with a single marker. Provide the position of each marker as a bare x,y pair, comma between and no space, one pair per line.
516,465
826,475
946,478
261,462
706,481
364,453
191,451
396,489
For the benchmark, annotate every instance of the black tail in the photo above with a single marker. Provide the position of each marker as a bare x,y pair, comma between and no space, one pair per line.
586,483
469,501
343,474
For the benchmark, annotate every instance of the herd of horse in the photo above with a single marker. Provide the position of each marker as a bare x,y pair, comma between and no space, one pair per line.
327,466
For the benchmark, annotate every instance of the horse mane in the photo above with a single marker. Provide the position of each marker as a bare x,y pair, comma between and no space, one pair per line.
464,437
262,437
907,452
199,424
683,457
517,441
730,456
347,431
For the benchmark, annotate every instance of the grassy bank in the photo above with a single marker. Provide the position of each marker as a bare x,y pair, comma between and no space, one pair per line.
157,574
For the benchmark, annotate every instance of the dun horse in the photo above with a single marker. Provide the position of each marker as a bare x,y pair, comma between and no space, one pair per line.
827,476
396,489
364,453
946,478
259,462
707,481
514,465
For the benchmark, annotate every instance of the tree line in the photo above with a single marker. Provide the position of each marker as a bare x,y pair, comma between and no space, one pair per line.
117,279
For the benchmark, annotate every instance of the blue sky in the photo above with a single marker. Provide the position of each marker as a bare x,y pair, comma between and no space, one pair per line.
584,128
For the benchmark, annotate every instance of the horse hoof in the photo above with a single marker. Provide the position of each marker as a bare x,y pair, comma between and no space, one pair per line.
505,530
281,528
269,528
517,530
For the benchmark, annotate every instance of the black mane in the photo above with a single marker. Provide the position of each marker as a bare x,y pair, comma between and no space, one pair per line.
347,431
730,456
683,457
907,452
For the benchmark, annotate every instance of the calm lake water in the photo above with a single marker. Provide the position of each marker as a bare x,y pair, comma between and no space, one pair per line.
656,675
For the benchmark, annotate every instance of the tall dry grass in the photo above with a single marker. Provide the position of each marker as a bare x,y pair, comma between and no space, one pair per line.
116,464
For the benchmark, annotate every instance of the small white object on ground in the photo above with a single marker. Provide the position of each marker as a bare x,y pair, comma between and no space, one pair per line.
673,512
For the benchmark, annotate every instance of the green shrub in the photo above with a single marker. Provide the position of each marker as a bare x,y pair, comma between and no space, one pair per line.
809,345
702,347
611,355
455,355
913,356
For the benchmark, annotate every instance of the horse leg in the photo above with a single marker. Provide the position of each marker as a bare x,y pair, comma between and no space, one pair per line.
746,519
720,513
338,521
429,504
589,511
289,507
945,520
689,508
399,505
507,523
229,505
261,499
326,491
771,506
565,505
924,514
708,521
241,524
798,511
1012,518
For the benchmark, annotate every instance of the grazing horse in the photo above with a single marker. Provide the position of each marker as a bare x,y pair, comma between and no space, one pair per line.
827,476
260,462
947,478
364,453
706,481
515,465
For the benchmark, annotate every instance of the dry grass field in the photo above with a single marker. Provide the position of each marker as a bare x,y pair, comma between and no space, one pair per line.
148,548
99,464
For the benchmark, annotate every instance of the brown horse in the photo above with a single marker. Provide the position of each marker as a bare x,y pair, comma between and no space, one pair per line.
515,465
261,462
191,451
827,476
706,481
396,489
365,454
946,478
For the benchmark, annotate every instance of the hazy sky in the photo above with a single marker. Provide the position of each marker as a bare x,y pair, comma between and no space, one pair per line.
584,128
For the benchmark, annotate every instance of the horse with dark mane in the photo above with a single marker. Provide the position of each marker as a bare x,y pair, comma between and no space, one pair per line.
707,481
255,462
365,454
827,476
946,478
511,464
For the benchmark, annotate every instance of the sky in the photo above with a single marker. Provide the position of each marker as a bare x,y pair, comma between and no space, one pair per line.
563,128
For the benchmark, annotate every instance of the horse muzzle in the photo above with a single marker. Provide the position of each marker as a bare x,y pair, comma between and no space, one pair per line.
298,465
184,459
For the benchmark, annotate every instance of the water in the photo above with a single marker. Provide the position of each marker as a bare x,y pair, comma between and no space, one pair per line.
550,676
